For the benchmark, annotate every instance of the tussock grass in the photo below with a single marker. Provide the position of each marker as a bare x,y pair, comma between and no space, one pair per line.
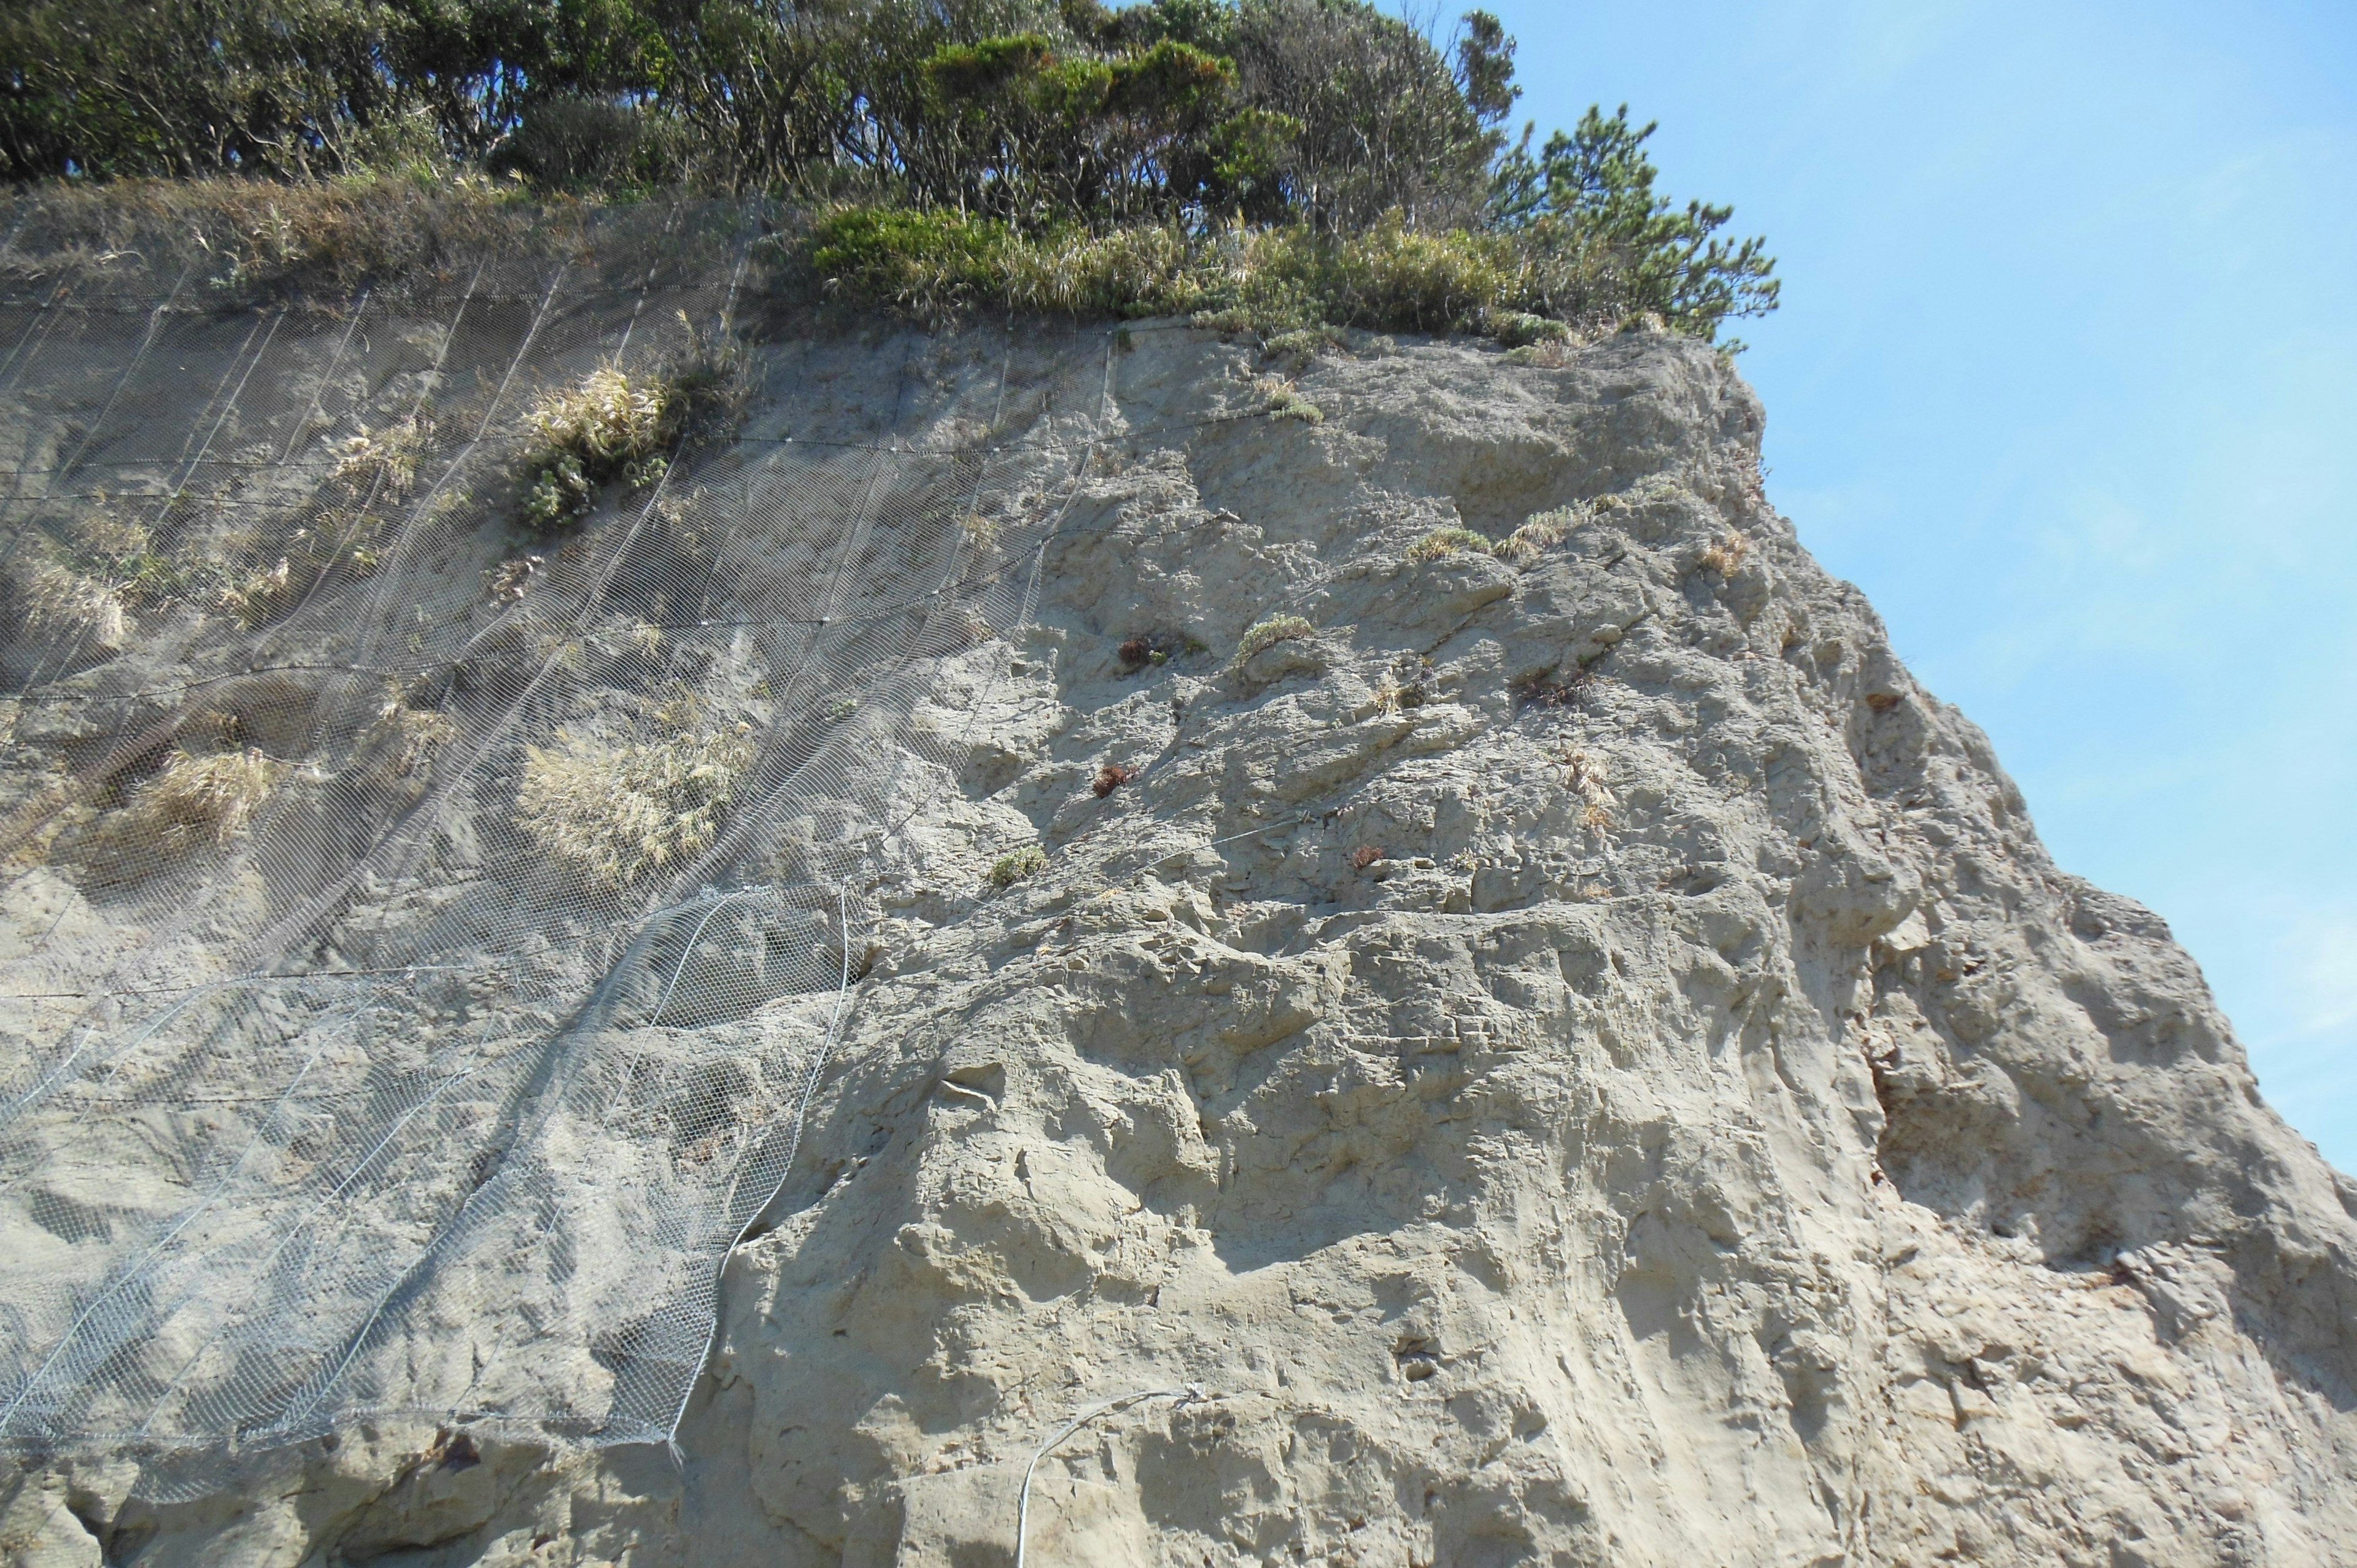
1724,555
252,239
382,464
1283,281
1443,542
586,434
60,601
619,810
401,742
92,584
196,797
1542,531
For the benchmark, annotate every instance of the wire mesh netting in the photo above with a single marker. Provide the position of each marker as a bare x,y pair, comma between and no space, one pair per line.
425,929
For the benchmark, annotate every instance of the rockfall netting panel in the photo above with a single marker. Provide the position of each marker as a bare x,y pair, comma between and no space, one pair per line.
432,869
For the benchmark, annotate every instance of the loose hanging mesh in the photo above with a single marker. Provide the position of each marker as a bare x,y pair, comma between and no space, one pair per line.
428,932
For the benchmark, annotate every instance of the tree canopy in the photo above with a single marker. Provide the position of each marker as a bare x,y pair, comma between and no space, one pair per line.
1037,114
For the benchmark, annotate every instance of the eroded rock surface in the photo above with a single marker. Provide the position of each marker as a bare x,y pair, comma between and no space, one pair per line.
1578,1061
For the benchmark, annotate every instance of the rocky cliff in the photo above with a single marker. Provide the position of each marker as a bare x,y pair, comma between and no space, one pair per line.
1566,1054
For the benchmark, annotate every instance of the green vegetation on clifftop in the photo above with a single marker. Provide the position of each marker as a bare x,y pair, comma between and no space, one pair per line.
1270,163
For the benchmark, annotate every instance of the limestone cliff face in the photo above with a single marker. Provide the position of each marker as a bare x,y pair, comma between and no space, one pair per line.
1576,1060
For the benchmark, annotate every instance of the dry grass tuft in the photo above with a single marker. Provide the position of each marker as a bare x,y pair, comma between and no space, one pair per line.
259,595
615,810
1724,555
1541,533
981,533
401,741
383,463
1585,780
1443,542
59,600
196,797
253,238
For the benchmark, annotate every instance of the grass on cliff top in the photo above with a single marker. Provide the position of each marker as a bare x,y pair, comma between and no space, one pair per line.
1270,279
234,243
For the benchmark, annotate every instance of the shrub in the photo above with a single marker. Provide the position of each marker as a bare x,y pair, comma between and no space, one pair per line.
1025,862
1270,632
609,426
615,810
1111,777
1442,542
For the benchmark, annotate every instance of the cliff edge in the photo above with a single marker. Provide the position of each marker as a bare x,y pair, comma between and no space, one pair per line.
1560,1052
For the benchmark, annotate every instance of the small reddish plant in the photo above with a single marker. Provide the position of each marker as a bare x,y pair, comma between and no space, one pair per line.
1366,854
1109,777
1152,647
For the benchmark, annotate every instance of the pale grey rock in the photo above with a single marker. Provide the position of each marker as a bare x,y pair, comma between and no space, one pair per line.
1581,1063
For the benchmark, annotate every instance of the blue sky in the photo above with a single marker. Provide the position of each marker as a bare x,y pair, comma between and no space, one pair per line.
2066,379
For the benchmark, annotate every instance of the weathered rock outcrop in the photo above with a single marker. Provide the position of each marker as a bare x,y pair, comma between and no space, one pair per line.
1578,1059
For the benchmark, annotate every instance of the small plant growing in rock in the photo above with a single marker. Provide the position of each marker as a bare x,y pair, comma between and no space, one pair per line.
382,462
1551,355
981,533
1268,633
1538,692
401,741
1025,862
1541,533
1111,777
1443,542
1724,555
617,810
510,579
1521,329
586,434
1285,403
259,595
842,708
1153,648
1585,780
1297,348
1365,855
